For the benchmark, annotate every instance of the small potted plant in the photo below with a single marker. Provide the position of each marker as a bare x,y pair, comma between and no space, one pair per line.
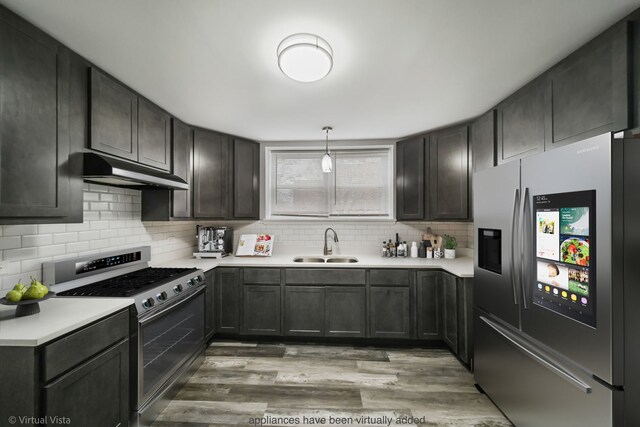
450,244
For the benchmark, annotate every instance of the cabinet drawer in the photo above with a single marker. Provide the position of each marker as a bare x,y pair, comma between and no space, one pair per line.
72,350
325,276
262,276
395,277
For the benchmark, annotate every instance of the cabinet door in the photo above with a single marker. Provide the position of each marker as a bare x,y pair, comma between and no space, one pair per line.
483,141
261,310
210,174
209,317
34,121
410,194
390,312
304,311
449,174
228,300
182,166
450,305
95,393
522,122
345,308
589,89
429,304
246,179
154,135
465,320
114,117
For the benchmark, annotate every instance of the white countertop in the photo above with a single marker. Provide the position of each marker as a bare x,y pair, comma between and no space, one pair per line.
462,266
58,316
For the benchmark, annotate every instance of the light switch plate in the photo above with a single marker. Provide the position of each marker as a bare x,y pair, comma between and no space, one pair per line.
4,268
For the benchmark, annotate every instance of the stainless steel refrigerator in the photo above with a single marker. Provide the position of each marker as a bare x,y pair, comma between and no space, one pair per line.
555,284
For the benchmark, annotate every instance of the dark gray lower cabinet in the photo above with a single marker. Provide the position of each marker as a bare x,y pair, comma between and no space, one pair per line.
261,310
450,314
389,312
304,311
465,320
83,376
345,311
96,393
228,300
428,305
209,318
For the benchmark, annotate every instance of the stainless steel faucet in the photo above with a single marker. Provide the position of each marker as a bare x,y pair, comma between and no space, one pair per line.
327,250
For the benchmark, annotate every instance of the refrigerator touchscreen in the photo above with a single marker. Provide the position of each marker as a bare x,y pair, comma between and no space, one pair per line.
565,258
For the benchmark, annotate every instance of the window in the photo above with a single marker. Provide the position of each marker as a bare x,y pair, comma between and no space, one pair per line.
359,186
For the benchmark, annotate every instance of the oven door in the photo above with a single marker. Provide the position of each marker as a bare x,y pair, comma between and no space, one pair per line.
166,340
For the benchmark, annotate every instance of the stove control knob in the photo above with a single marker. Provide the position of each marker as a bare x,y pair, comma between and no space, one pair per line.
148,303
197,279
177,288
162,296
190,282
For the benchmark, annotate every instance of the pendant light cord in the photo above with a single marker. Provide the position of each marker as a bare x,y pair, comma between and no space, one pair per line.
327,129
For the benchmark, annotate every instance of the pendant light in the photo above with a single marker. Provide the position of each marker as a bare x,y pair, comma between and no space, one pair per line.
327,162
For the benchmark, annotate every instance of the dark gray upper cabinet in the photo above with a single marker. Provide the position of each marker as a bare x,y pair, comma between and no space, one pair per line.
228,300
449,173
345,311
182,159
410,173
246,179
522,122
304,311
589,89
34,123
114,117
483,141
154,135
262,310
210,174
428,305
389,312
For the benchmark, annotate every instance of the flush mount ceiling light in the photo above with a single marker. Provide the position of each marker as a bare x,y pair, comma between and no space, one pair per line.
327,162
305,57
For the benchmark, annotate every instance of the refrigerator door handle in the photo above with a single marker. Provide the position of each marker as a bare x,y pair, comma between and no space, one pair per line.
514,227
558,370
524,240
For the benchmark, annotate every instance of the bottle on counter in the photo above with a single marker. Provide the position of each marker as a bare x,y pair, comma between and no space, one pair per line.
393,250
385,249
429,252
414,250
422,250
400,250
406,249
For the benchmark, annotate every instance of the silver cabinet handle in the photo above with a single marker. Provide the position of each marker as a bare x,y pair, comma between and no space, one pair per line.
514,227
542,361
526,223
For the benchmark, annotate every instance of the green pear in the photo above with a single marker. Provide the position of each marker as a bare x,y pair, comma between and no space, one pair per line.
13,296
43,289
34,292
20,287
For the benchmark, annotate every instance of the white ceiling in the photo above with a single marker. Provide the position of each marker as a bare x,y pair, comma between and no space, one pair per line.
400,67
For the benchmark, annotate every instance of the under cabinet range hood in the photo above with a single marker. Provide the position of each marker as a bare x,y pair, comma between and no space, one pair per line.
109,171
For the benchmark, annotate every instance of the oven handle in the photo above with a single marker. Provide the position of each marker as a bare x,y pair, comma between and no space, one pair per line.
166,308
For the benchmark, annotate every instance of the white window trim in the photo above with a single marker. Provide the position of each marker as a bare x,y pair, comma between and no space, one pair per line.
268,152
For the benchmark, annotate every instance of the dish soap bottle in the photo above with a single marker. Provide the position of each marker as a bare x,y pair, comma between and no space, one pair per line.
414,250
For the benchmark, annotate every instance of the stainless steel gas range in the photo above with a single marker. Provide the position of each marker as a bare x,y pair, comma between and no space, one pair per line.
167,329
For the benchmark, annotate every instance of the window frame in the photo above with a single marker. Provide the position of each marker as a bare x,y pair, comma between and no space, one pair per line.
270,151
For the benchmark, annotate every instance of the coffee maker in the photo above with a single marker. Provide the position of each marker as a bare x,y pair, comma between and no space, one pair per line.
214,242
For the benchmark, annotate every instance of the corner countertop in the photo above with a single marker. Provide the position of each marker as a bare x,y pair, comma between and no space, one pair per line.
58,316
461,266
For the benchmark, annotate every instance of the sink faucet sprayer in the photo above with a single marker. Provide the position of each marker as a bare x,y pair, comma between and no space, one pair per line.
327,250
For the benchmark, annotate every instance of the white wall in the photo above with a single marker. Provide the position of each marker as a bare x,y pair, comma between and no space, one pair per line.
112,221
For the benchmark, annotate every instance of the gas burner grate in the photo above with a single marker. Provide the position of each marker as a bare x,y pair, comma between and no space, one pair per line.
129,284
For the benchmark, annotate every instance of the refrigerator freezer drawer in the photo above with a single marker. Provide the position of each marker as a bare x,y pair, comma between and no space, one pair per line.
530,390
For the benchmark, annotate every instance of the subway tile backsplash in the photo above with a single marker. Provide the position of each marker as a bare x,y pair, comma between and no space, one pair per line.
112,221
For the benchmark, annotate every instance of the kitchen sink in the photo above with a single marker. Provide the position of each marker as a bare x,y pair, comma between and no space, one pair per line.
342,259
347,259
308,259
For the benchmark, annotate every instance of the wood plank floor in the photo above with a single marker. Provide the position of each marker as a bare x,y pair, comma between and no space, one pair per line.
298,385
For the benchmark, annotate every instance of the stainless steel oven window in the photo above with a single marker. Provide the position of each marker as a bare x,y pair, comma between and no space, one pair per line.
166,340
